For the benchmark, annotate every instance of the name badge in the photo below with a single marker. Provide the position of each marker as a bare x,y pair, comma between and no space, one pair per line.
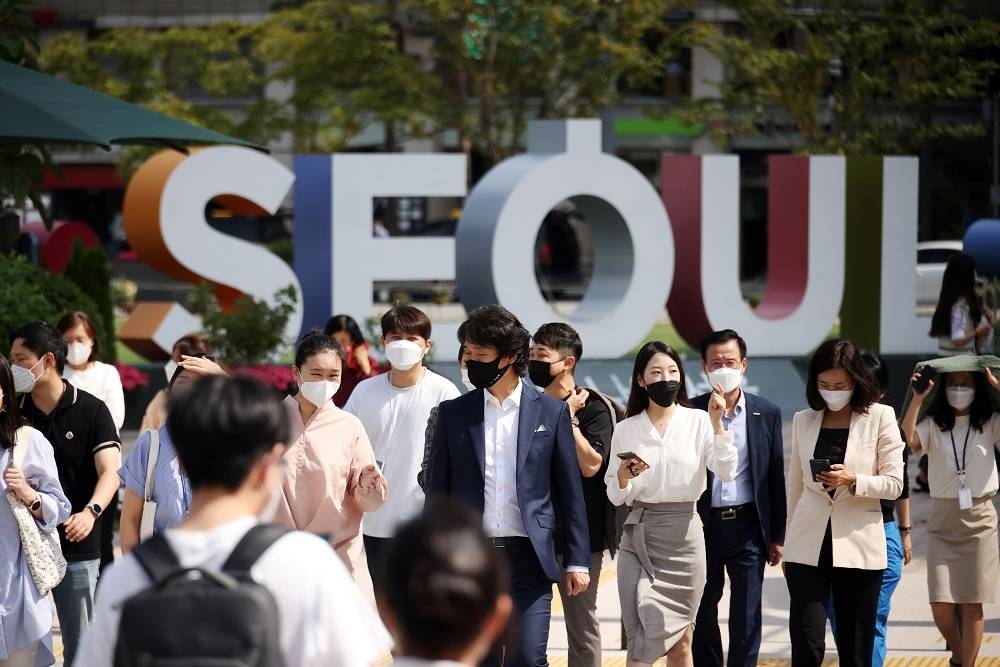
964,499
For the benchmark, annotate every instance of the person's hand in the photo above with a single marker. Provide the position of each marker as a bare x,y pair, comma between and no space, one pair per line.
630,468
576,400
920,394
79,525
907,547
992,379
372,483
15,480
576,583
835,477
200,365
984,328
775,553
716,408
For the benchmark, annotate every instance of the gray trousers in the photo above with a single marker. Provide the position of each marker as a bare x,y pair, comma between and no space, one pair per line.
583,629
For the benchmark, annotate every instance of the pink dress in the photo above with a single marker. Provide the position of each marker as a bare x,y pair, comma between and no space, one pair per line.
325,457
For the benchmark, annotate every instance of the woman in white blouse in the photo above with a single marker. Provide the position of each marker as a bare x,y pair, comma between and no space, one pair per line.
664,448
83,369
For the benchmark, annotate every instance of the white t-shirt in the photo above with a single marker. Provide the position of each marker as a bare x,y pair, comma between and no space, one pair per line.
980,466
324,619
101,380
395,420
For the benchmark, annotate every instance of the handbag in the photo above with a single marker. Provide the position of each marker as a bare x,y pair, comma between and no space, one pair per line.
148,504
41,550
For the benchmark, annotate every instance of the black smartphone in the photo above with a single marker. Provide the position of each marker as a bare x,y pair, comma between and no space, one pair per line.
924,377
819,465
625,456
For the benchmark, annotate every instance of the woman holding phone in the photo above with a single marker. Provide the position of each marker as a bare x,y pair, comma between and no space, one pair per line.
663,448
959,435
847,456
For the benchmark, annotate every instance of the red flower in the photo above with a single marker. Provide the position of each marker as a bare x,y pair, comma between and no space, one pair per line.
132,378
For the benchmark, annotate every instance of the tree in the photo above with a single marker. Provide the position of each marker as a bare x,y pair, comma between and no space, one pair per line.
89,270
499,64
849,76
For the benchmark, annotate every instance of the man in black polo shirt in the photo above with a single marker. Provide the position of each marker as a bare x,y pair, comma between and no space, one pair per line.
555,350
88,456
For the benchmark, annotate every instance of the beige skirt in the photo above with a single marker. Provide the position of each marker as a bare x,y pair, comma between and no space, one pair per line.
661,576
963,562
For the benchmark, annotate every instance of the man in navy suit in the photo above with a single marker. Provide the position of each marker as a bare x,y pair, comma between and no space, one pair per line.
744,519
508,451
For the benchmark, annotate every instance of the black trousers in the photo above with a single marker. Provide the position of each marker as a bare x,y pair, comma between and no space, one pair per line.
734,546
375,552
106,526
855,601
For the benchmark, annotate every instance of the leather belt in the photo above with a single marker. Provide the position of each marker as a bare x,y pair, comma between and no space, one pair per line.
730,513
510,541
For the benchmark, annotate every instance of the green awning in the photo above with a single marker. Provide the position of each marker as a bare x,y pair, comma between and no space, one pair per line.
42,109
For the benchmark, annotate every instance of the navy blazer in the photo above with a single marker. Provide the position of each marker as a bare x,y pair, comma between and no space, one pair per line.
547,475
767,466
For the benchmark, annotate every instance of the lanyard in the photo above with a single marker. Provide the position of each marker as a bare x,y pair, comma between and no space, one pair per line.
954,451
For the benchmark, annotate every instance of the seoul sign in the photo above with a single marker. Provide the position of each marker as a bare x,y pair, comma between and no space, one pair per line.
841,239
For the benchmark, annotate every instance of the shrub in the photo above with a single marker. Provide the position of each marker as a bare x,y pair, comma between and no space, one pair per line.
250,334
32,293
132,377
88,268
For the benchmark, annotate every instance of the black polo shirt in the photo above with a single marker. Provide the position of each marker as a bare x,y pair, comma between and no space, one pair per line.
78,428
597,427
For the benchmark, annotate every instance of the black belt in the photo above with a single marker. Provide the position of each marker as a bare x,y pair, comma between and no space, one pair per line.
730,513
511,541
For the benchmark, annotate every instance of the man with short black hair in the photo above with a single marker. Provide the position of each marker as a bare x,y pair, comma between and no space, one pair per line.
555,352
231,454
88,455
508,451
393,408
744,519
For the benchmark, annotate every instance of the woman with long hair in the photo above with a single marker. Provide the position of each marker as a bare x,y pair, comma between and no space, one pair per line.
960,323
664,448
358,362
959,435
25,614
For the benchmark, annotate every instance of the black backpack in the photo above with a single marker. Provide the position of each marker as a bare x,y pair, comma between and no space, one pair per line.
199,617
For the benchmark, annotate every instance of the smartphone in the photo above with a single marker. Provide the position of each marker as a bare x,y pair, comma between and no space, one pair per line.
625,456
924,377
819,465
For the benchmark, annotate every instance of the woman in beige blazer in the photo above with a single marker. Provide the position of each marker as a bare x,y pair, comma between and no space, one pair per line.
835,540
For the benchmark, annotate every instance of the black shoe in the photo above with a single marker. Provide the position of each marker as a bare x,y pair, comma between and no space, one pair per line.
921,487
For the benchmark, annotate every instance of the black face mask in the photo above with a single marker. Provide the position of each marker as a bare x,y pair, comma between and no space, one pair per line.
485,374
540,372
664,392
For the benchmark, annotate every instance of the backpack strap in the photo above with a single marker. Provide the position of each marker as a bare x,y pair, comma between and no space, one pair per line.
156,558
154,455
253,545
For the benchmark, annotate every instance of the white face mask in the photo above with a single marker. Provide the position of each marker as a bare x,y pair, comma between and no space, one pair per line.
836,400
170,368
727,379
24,378
319,392
403,354
465,380
960,398
78,353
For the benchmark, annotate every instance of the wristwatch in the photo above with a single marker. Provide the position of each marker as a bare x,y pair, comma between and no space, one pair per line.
95,509
33,506
905,529
575,422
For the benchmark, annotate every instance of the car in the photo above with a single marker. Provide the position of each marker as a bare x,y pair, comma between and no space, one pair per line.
932,258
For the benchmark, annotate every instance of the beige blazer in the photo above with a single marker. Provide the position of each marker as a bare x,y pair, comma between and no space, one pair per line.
875,454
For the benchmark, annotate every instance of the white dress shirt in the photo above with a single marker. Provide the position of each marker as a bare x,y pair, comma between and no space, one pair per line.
740,490
677,459
502,514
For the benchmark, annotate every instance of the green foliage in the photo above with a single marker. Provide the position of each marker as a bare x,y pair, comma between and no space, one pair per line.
17,33
850,76
36,294
89,270
283,248
250,334
519,60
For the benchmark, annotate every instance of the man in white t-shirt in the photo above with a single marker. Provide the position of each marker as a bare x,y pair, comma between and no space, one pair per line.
394,408
231,453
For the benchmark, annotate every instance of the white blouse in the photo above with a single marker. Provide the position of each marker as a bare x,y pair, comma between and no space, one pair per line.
980,468
677,460
101,380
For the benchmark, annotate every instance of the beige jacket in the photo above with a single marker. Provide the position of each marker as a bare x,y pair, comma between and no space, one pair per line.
875,454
